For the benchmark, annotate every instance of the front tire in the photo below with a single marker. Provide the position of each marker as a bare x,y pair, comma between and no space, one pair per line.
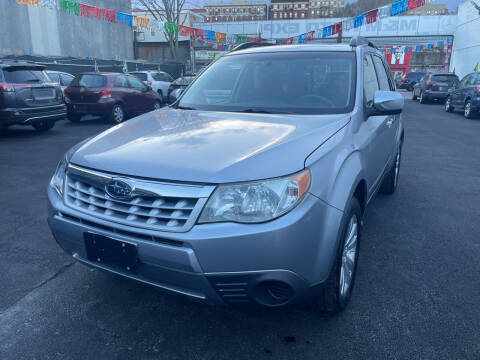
448,104
117,115
414,97
157,105
337,290
44,125
468,112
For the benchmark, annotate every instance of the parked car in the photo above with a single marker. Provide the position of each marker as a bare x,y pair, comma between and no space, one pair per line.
62,78
465,96
28,97
178,86
434,86
113,96
248,190
409,80
159,81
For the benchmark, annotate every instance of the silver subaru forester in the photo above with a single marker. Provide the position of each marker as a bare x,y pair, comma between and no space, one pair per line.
250,188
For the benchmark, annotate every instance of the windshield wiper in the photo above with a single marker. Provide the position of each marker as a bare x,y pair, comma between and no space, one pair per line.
264,111
185,108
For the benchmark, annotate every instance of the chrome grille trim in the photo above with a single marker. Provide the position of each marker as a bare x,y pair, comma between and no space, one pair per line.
155,205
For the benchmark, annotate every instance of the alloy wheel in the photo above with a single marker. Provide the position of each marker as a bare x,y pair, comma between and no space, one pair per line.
118,114
349,256
157,105
447,104
468,109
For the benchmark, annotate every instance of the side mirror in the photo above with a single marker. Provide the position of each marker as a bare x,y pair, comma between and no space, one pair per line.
386,103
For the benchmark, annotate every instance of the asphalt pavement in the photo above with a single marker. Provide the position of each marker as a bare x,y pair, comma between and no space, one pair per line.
416,296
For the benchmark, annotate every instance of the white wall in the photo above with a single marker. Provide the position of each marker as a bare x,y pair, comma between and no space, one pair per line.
466,46
389,26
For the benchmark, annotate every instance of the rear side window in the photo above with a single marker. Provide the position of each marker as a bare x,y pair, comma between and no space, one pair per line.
162,77
381,74
89,81
121,81
474,80
370,82
54,77
24,76
445,78
141,76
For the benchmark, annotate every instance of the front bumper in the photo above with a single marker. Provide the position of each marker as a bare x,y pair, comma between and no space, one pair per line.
29,116
222,263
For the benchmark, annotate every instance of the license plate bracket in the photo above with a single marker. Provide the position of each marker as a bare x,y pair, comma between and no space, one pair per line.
105,250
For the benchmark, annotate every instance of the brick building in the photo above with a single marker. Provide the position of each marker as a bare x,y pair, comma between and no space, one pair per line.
237,10
289,9
325,8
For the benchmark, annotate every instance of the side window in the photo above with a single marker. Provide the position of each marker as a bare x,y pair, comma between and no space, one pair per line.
66,79
465,80
474,79
381,74
121,81
136,83
370,82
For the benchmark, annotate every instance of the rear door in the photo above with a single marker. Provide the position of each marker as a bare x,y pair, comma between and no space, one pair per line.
121,91
32,87
86,88
443,82
472,88
458,94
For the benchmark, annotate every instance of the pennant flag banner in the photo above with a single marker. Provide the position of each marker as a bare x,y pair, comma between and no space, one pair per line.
370,17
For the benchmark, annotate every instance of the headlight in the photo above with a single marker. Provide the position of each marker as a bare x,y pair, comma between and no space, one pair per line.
256,201
58,178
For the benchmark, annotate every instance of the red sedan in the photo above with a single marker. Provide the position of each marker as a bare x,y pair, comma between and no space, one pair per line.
113,96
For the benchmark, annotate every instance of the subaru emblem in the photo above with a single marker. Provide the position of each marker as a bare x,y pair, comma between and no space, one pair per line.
119,189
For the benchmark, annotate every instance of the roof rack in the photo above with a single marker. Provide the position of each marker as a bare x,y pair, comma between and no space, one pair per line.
360,40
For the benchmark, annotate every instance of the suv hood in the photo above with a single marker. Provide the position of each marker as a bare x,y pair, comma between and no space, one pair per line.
208,147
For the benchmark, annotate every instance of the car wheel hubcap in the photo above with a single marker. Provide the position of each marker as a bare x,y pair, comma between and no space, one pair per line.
447,104
118,114
349,256
467,109
157,106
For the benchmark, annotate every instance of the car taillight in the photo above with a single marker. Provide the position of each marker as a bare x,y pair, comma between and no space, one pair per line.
478,90
149,83
404,79
12,87
107,93
65,92
429,83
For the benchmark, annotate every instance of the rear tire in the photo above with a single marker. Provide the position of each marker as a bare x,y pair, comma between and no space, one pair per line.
390,181
157,105
414,97
75,118
117,115
336,292
448,105
162,100
42,126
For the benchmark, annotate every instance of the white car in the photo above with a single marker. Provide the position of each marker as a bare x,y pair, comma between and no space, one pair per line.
63,78
159,81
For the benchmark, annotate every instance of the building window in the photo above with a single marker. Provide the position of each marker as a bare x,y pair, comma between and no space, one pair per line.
303,6
313,12
275,7
275,15
296,5
295,14
303,15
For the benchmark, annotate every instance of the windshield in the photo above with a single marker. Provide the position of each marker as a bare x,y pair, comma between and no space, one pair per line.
282,82
24,76
445,78
88,81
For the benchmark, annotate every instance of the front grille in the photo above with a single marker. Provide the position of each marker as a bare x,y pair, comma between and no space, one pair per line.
146,209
